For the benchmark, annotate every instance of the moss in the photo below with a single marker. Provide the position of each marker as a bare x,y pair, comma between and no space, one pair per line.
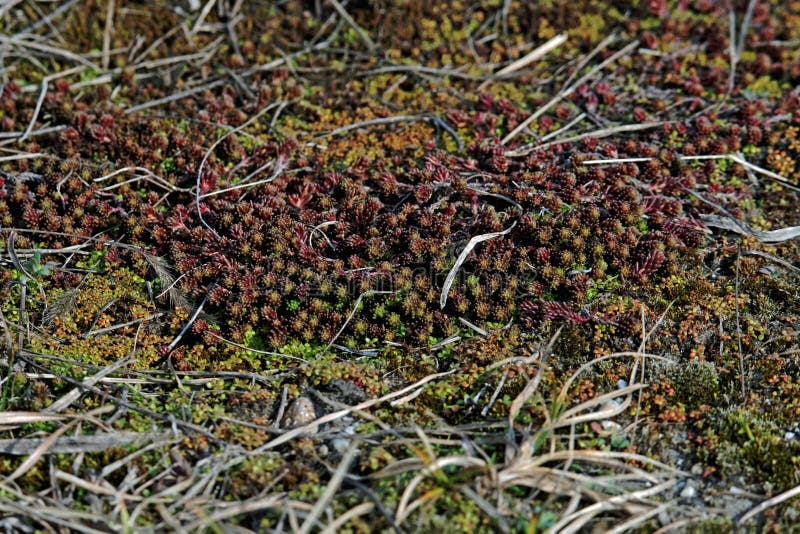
696,384
715,526
303,231
754,447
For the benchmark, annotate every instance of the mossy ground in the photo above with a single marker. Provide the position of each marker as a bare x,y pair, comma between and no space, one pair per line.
221,220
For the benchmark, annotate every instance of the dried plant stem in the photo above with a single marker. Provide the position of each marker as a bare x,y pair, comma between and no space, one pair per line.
355,511
564,128
109,28
596,134
26,155
45,82
352,314
202,16
48,19
333,485
188,324
738,322
50,50
527,59
49,441
65,401
769,503
564,93
175,96
290,435
244,125
11,137
352,23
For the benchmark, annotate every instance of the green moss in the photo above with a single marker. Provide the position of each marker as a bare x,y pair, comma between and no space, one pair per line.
696,383
765,85
754,447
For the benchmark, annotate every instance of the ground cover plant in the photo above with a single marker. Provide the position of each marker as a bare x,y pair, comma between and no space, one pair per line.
399,266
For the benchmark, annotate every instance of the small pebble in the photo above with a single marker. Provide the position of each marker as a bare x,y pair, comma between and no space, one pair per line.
689,492
299,413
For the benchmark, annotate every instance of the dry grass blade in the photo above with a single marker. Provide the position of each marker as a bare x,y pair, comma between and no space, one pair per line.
248,507
373,122
93,487
625,354
163,442
198,23
769,503
355,511
741,227
574,522
738,158
37,454
341,413
48,19
352,23
609,459
45,82
770,257
638,519
612,161
175,96
532,385
146,174
567,91
475,328
74,394
25,155
109,28
170,420
398,467
594,134
567,127
47,516
598,401
527,59
451,276
246,185
487,508
333,486
23,418
60,52
352,314
404,508
78,444
171,521
198,194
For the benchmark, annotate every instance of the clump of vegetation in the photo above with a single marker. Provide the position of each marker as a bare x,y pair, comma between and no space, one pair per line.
402,252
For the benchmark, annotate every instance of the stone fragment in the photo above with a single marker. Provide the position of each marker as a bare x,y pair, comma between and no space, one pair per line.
300,412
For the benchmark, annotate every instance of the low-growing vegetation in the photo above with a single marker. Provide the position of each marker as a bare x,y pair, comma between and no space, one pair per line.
399,266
